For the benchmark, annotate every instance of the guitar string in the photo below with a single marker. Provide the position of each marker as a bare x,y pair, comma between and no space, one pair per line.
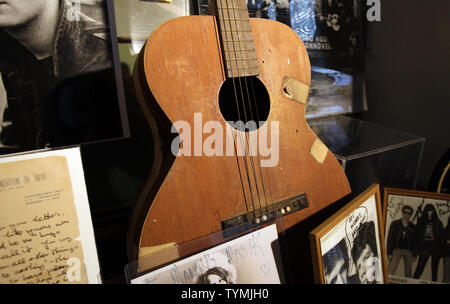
243,147
240,138
243,98
250,108
259,160
257,117
234,142
252,115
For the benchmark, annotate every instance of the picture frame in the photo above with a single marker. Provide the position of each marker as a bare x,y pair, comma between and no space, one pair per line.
67,90
417,253
348,247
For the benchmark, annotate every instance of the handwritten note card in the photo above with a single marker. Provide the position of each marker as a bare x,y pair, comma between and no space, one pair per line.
40,239
248,259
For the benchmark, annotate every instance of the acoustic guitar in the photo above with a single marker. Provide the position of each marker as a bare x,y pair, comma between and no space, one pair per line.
228,67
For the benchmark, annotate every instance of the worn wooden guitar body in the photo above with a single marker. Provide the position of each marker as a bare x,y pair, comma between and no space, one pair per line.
180,72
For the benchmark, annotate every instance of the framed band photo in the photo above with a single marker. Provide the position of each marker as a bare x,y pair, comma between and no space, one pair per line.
417,236
348,247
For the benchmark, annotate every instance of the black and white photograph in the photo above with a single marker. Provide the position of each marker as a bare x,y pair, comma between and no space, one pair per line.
328,26
417,236
248,259
59,85
332,33
348,245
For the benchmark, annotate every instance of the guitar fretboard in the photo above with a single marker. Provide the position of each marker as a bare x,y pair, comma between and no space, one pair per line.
237,38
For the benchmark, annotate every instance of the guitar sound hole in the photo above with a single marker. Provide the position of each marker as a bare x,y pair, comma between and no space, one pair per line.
244,99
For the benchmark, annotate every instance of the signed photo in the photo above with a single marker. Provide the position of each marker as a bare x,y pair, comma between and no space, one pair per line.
249,259
348,248
58,84
417,236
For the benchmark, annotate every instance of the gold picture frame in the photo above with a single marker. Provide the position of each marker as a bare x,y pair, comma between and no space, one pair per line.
348,247
423,254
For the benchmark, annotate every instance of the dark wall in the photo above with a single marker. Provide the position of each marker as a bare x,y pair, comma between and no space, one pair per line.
408,74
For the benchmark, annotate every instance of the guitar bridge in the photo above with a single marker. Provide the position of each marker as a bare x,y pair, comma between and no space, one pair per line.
265,214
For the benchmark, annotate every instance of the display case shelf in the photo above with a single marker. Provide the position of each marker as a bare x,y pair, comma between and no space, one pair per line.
371,153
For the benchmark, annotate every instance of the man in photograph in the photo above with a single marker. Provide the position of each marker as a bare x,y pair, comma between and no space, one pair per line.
430,232
53,63
336,21
336,263
446,252
365,254
401,242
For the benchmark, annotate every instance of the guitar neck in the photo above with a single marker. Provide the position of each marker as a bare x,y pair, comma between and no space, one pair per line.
238,48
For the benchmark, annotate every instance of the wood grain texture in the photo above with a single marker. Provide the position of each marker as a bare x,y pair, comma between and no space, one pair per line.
184,76
237,38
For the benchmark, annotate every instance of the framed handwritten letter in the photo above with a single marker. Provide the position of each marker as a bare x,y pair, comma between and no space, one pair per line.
417,236
348,248
46,233
248,259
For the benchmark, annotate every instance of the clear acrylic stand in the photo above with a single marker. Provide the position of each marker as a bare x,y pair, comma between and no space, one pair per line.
371,153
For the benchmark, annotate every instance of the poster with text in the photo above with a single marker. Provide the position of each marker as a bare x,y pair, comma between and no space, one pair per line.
60,78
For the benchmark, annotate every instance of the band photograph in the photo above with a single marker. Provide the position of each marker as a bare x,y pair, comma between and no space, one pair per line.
59,85
348,248
248,259
417,236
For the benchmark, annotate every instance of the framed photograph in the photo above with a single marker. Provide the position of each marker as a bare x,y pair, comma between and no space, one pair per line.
417,236
60,81
348,248
252,258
